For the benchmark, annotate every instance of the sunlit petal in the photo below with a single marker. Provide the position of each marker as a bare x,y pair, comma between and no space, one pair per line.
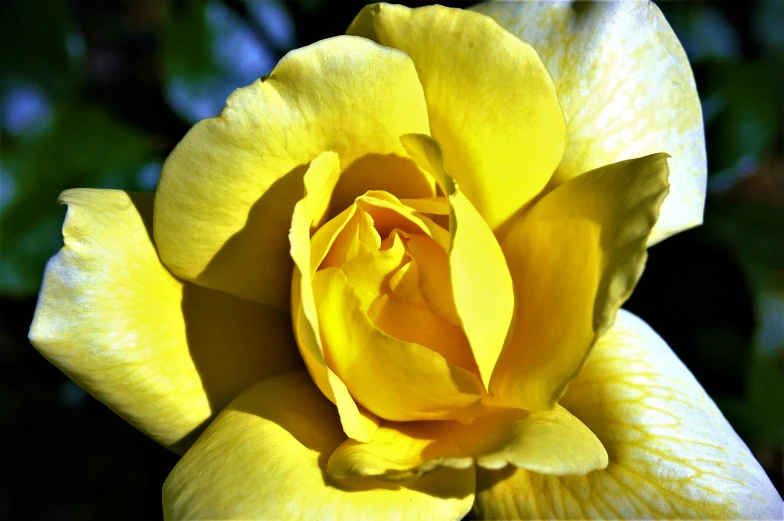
672,455
626,89
491,102
164,355
265,457
575,258
227,192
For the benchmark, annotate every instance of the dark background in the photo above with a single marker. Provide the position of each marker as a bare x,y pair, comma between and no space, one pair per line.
96,94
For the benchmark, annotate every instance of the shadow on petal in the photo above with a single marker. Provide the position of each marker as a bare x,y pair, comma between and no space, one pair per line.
388,172
232,342
254,263
313,422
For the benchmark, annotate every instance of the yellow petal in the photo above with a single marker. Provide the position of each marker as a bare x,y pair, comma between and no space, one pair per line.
552,442
394,379
626,90
164,355
481,282
418,324
336,239
388,213
321,176
404,284
358,237
401,451
227,192
265,457
672,455
492,105
368,275
391,173
575,257
326,235
347,240
432,264
431,205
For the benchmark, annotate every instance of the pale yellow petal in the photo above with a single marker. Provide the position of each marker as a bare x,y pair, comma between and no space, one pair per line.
481,282
672,455
227,191
319,180
492,105
164,355
626,89
575,257
265,457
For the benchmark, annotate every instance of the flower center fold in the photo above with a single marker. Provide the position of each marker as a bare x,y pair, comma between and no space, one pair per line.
384,298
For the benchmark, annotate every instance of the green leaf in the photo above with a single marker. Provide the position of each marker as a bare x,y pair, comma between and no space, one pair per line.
744,130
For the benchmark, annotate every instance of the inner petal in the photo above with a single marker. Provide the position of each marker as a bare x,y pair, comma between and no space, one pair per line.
393,264
419,324
358,238
380,249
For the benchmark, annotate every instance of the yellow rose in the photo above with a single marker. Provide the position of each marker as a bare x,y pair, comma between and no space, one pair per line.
442,222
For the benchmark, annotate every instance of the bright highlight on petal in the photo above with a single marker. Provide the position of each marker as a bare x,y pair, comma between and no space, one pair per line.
224,202
492,105
265,457
481,282
164,355
672,455
575,257
626,89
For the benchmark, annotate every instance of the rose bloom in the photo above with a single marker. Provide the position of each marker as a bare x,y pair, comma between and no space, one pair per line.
385,282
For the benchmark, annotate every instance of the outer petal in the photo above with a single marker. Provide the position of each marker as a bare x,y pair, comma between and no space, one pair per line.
162,354
575,258
551,442
481,282
626,89
265,457
227,191
491,103
319,181
672,453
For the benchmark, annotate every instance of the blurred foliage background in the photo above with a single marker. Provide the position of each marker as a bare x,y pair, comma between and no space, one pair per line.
95,93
